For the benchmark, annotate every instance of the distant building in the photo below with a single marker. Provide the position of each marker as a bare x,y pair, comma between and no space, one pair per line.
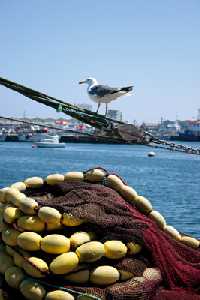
114,114
169,128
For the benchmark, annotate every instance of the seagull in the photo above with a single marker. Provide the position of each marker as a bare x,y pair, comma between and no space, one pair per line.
104,93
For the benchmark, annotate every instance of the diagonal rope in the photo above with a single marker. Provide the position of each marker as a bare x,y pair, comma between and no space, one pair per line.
84,115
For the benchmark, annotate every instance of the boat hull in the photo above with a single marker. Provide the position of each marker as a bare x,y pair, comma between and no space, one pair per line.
49,145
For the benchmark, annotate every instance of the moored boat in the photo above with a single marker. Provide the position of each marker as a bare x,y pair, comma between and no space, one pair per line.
50,142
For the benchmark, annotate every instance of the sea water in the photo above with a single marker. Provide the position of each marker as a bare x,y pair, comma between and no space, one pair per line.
170,180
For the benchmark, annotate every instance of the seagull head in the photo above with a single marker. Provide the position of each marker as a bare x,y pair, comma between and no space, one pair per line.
90,81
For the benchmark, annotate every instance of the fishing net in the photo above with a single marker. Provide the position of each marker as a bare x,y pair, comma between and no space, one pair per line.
112,217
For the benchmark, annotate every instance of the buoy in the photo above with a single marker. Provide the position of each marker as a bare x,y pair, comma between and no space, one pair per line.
151,154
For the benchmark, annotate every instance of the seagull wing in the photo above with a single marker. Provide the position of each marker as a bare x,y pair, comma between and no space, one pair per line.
103,90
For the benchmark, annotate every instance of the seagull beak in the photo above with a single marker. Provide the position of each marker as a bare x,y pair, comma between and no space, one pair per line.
82,81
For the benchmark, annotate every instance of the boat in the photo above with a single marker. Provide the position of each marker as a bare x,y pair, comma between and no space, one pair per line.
50,142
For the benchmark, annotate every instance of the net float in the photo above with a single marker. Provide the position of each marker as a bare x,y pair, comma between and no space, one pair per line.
74,176
128,193
29,241
115,249
18,259
9,250
79,238
32,290
35,267
125,275
91,251
114,182
3,194
55,244
49,215
11,214
31,223
143,204
104,275
95,175
14,276
59,295
64,263
55,179
133,248
34,182
20,186
28,206
14,196
10,236
158,219
172,232
70,220
53,226
6,262
190,241
81,276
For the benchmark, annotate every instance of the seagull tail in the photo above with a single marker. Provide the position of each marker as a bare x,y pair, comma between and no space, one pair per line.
127,90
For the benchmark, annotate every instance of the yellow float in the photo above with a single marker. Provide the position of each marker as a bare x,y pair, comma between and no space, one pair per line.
90,252
29,241
55,244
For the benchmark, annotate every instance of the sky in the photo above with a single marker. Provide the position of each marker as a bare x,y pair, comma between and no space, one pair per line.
154,45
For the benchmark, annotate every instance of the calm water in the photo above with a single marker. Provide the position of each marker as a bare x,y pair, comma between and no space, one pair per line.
170,180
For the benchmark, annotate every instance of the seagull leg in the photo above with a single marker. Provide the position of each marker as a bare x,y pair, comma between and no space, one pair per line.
99,103
106,109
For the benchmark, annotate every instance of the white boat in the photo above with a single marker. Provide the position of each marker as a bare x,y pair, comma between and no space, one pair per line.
50,142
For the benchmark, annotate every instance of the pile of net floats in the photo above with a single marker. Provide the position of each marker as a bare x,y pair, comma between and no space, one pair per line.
50,254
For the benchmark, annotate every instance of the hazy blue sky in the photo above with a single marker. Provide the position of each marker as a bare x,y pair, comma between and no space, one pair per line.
154,44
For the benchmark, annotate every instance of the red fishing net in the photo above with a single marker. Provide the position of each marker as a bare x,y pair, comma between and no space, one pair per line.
111,217
114,218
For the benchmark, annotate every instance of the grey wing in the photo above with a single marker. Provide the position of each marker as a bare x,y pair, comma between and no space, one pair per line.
103,90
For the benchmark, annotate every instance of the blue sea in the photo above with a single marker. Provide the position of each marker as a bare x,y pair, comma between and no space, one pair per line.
170,180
